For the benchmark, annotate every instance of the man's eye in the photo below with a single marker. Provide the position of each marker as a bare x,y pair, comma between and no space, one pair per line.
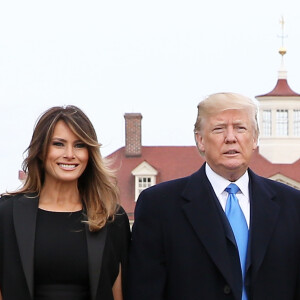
218,129
242,129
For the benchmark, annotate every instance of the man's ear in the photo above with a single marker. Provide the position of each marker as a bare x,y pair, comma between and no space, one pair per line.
200,142
255,142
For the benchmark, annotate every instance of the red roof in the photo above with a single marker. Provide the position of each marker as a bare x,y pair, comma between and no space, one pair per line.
282,88
265,168
170,161
178,161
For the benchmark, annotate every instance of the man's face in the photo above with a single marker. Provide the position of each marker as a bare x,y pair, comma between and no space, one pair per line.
228,140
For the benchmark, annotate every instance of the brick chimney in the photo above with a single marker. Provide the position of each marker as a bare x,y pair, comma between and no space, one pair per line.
133,134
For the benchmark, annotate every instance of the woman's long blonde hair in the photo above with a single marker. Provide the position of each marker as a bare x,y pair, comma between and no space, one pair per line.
97,185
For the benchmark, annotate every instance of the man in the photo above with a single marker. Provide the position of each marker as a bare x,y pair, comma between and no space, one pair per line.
187,245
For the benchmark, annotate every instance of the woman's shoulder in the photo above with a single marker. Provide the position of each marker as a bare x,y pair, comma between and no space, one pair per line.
120,215
120,222
119,233
6,204
7,200
120,210
13,196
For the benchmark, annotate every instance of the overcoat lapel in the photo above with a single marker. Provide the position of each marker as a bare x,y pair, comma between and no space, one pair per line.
25,211
264,215
201,211
95,243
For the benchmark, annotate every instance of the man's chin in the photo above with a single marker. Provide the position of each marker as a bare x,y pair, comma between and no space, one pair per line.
232,172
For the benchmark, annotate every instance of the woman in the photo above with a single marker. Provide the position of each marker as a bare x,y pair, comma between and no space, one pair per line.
63,235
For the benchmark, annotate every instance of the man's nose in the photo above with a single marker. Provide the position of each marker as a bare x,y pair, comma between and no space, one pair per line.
230,136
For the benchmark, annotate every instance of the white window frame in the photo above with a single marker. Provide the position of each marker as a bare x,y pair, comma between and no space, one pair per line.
143,182
296,125
267,122
147,174
282,122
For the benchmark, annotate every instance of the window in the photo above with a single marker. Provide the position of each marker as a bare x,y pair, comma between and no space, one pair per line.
143,183
297,122
145,176
282,122
267,123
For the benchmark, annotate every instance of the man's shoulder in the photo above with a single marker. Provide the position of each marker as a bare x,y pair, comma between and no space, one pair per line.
172,186
167,192
273,185
156,200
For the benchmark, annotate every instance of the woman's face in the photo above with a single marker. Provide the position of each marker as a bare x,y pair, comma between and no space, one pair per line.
67,155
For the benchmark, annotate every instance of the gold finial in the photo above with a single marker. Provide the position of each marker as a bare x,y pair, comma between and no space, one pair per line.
282,49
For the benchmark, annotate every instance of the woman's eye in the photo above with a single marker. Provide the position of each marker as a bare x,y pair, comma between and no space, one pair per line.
80,145
57,144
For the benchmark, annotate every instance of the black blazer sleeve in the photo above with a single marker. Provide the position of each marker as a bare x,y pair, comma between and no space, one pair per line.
115,253
12,279
147,270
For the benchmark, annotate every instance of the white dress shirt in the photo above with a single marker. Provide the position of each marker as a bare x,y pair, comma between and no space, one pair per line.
219,185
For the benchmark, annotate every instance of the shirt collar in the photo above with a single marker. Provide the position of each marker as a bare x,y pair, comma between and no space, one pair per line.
219,183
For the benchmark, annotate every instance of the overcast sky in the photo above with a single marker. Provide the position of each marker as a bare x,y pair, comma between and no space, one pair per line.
158,57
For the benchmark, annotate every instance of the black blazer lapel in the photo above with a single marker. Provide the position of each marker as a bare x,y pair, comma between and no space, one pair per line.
24,214
264,215
203,214
95,243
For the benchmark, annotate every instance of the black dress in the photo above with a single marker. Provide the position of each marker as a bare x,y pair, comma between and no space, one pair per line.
61,259
27,245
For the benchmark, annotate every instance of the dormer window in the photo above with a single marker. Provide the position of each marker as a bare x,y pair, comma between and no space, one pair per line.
145,176
143,182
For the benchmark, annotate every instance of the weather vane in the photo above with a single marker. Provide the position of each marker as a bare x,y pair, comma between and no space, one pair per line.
282,49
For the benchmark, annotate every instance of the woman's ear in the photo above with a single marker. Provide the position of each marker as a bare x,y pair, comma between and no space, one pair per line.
40,157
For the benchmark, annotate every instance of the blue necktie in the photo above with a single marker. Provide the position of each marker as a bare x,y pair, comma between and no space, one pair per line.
239,227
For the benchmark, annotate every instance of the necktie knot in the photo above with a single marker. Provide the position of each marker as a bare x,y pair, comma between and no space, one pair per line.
232,188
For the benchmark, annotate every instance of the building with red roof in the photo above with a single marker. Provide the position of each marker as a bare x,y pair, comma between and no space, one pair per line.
277,157
139,167
279,122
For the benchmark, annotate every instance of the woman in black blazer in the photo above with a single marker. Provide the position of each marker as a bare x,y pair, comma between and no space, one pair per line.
63,235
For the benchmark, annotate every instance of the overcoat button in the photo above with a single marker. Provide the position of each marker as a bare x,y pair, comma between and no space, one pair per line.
227,289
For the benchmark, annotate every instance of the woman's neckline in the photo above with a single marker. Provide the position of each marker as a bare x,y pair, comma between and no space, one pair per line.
59,211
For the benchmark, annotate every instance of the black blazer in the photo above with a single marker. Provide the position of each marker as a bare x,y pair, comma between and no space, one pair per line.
106,249
183,248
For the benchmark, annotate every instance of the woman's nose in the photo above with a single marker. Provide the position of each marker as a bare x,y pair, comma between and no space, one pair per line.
69,152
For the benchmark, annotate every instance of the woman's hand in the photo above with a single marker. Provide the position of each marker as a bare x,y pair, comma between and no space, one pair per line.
117,287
